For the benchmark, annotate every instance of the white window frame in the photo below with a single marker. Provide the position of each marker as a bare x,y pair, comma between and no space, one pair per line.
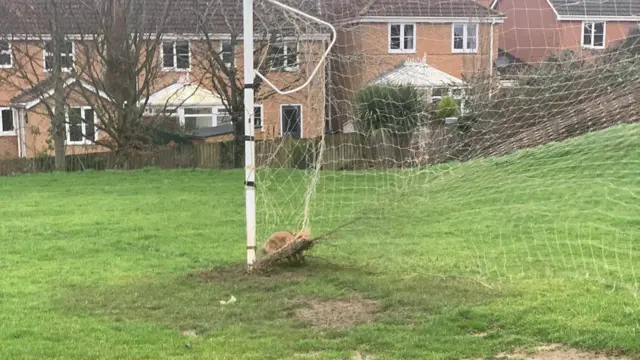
13,118
216,109
83,126
402,50
261,127
175,56
282,118
9,52
286,45
64,69
465,38
593,35
182,116
180,113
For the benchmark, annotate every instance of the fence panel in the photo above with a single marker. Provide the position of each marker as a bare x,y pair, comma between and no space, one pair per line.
351,151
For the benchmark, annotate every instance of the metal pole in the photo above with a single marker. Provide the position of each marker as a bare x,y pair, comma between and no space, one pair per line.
249,152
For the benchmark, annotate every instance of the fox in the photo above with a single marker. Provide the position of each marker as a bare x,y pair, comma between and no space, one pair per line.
281,239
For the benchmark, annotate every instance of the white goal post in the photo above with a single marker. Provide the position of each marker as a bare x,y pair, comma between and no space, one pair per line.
249,131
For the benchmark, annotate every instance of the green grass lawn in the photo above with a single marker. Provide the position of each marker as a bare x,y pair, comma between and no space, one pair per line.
463,260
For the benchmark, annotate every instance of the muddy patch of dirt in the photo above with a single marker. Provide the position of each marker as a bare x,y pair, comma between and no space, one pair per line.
338,314
557,352
238,272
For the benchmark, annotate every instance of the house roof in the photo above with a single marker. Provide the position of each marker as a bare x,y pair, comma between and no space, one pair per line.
417,73
206,132
32,17
35,94
184,93
597,8
167,16
363,9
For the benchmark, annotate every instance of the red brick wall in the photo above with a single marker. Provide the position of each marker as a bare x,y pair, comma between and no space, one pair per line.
8,147
570,33
531,31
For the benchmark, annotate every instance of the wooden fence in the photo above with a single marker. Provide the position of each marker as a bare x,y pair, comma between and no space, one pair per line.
350,151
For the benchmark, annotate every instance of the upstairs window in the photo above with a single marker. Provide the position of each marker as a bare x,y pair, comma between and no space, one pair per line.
465,38
283,56
176,55
7,126
67,55
593,35
6,60
226,52
402,38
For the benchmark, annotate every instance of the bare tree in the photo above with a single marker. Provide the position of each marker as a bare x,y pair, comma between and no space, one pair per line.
218,57
123,49
111,46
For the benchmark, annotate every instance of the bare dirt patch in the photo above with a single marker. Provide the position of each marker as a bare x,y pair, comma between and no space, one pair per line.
189,333
557,352
238,272
338,314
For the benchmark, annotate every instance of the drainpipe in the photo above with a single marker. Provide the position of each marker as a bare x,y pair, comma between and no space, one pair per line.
18,114
493,23
22,133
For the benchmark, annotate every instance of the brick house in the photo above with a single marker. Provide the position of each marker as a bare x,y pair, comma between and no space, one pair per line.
535,29
180,90
457,37
449,39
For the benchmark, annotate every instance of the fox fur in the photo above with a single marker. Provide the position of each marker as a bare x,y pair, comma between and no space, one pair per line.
281,239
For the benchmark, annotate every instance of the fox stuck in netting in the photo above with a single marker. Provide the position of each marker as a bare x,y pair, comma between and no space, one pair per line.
292,246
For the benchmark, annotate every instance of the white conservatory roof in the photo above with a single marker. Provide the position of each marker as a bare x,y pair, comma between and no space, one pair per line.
184,93
418,73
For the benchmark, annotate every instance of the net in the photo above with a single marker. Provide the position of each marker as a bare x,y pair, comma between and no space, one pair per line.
484,147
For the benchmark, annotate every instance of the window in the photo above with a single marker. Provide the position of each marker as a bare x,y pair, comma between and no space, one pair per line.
456,93
593,35
197,118
465,38
402,38
226,52
257,116
7,126
6,60
67,55
176,55
284,56
80,126
291,120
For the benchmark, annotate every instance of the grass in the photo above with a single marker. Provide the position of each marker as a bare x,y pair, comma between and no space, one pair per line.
537,247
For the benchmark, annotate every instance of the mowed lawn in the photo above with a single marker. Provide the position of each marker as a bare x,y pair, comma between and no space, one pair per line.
460,261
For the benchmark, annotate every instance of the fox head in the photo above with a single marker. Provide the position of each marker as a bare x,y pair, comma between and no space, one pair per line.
304,234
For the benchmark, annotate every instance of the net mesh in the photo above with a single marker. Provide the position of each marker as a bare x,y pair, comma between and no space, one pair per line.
497,149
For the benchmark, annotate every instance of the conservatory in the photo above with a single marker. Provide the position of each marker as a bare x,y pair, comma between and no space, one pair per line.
435,83
192,106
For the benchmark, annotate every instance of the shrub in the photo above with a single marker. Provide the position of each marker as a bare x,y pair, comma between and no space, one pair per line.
396,108
447,108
